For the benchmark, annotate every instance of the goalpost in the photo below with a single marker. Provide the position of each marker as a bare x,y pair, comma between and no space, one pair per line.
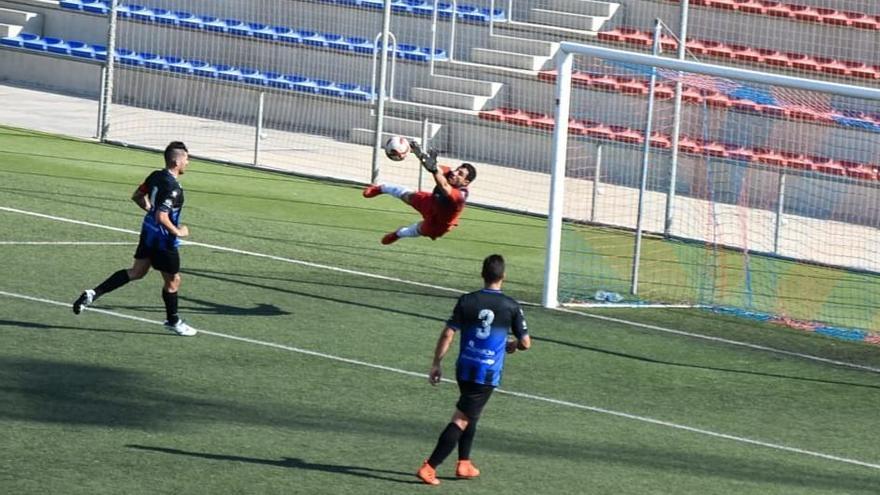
774,210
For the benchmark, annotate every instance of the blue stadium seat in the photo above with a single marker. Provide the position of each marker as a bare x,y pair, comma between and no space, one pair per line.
210,23
237,27
444,10
32,42
262,31
328,88
337,42
253,76
179,65
188,20
373,4
286,35
203,69
276,80
15,41
163,16
361,45
312,38
56,45
71,4
228,73
100,52
153,61
354,92
140,13
95,6
301,83
80,49
128,57
400,7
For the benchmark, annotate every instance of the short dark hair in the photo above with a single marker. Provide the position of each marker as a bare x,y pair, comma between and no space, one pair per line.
472,172
172,152
493,268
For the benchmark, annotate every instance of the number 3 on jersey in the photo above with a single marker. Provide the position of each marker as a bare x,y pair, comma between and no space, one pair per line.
486,316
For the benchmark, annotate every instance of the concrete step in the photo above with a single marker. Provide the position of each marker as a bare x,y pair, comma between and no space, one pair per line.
522,45
567,19
449,99
9,30
16,17
508,59
584,7
466,86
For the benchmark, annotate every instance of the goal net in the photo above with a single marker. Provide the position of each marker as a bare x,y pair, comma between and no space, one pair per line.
775,204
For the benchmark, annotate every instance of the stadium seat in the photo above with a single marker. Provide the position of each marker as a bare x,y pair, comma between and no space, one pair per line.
735,152
337,42
311,38
746,54
153,61
163,16
663,91
865,72
661,141
301,83
276,80
746,105
286,34
70,4
774,111
775,58
253,76
803,62
517,117
695,46
722,4
599,131
863,21
494,115
718,49
328,88
777,9
828,166
604,82
203,69
94,6
805,13
750,6
688,145
833,17
831,66
690,94
769,157
32,42
632,86
188,20
543,122
638,38
610,36
718,100
714,149
80,49
577,128
862,172
140,13
228,73
626,135
176,64
579,78
128,57
262,31
56,45
795,161
210,23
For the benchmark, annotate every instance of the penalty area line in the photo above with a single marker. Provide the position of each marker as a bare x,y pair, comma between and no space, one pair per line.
66,243
548,400
337,269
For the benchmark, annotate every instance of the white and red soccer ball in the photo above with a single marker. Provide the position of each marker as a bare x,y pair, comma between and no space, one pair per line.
396,148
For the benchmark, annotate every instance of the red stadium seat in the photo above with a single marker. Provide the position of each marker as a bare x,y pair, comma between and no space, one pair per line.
774,58
796,161
605,83
715,149
626,135
805,114
549,75
600,131
577,127
718,100
688,145
582,79
543,122
661,141
691,95
769,157
722,4
828,166
612,36
862,172
833,17
718,49
746,106
695,46
805,13
632,86
668,43
863,21
750,6
865,72
746,54
803,62
774,111
495,115
832,66
518,117
777,9
740,153
639,38
662,91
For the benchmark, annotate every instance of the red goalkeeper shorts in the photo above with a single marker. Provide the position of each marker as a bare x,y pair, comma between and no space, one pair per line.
436,221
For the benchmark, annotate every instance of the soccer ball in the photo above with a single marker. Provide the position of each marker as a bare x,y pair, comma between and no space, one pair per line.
396,148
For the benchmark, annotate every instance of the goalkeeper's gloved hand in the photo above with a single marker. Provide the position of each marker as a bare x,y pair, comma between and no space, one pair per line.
430,161
417,150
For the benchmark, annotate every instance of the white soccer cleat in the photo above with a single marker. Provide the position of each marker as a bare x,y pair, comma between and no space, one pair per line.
84,299
181,328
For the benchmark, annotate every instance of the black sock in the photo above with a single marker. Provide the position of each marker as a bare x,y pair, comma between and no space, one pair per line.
466,440
170,299
445,444
112,283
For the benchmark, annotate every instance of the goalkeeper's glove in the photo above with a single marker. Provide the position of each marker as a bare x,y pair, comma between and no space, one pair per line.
430,161
417,150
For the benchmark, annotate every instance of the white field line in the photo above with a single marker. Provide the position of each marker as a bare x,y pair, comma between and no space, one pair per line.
538,398
66,243
459,291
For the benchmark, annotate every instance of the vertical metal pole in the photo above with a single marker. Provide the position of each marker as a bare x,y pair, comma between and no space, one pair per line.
425,126
380,91
596,181
646,155
676,123
564,62
100,119
780,207
452,30
433,35
107,86
259,133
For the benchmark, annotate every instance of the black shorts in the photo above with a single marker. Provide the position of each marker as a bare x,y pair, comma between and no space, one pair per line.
474,397
166,261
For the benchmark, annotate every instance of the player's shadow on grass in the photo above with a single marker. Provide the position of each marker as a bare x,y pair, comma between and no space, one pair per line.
291,462
205,307
205,274
42,326
694,366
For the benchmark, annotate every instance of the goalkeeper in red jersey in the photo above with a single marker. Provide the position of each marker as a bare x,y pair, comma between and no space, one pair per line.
440,208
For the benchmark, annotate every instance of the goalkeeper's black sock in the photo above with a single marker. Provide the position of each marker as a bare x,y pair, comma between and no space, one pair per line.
445,444
112,283
170,299
467,440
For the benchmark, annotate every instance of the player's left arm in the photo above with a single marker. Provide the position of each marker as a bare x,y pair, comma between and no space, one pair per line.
522,341
443,184
141,197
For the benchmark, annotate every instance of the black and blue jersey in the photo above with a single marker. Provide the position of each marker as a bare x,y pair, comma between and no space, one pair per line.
484,319
165,195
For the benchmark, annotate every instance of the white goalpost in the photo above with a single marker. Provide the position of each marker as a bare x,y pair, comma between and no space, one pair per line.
756,222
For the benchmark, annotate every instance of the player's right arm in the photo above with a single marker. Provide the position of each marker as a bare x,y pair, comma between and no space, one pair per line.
164,219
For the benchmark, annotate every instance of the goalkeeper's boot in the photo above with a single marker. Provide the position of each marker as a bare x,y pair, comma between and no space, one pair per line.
390,238
372,190
181,328
427,474
465,469
84,299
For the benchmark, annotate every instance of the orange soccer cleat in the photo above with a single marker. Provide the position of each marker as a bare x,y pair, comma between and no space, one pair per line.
390,238
372,190
427,474
465,469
